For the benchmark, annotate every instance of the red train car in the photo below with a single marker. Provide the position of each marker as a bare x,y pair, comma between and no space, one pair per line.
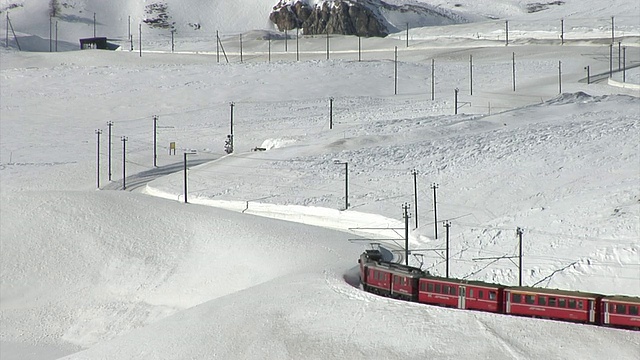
461,294
620,311
552,304
390,279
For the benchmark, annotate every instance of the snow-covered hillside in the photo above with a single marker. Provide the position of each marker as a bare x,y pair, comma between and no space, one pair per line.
114,274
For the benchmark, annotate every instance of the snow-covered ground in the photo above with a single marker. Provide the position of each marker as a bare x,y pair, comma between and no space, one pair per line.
140,274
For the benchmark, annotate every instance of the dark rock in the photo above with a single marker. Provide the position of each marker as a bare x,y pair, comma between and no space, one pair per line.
344,17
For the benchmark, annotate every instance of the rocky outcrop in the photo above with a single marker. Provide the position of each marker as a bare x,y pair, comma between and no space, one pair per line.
338,17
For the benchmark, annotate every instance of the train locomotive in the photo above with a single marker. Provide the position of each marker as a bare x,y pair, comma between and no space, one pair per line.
413,284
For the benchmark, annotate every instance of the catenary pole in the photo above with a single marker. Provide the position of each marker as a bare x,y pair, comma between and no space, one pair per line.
470,74
109,124
434,186
124,162
519,232
155,143
330,113
513,70
447,225
98,132
414,172
559,77
405,215
433,79
395,71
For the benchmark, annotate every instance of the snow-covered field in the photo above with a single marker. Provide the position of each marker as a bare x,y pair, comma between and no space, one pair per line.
112,274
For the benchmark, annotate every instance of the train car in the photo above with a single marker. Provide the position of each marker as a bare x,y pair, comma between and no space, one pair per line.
620,311
390,279
369,256
552,304
461,294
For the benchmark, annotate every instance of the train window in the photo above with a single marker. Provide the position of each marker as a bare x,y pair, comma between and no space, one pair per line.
621,309
471,293
562,302
492,295
453,291
516,298
530,299
437,288
580,305
572,304
421,286
480,294
542,300
633,310
445,289
430,287
552,301
396,279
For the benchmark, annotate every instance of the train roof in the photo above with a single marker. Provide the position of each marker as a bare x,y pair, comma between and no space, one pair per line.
465,282
399,268
623,298
567,293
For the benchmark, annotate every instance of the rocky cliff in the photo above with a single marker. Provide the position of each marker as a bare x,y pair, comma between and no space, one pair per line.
355,17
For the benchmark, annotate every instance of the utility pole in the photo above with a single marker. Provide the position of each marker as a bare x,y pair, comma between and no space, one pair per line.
395,72
327,43
240,47
588,74
269,41
297,44
559,77
359,47
406,216
447,225
455,101
172,43
561,31
94,25
185,176
228,146
286,39
56,48
506,30
434,186
414,172
611,60
346,182
330,113
513,70
140,38
218,47
98,132
433,80
470,74
50,35
124,162
6,40
519,232
129,27
407,34
155,144
109,124
619,58
613,37
624,64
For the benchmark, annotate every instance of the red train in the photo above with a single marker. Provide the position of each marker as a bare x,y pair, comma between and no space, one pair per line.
413,284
